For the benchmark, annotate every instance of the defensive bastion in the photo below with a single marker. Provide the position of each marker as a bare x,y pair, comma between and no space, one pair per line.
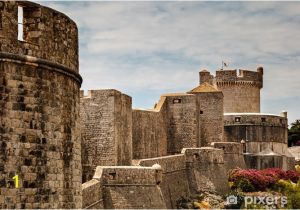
241,91
39,108
130,158
189,135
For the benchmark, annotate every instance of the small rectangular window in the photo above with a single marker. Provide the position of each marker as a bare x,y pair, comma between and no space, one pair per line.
237,119
0,20
177,101
201,112
112,175
1,9
20,24
263,119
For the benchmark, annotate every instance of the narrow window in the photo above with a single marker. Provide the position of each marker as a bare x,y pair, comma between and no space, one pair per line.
176,101
201,112
263,119
20,24
0,19
237,119
112,175
1,9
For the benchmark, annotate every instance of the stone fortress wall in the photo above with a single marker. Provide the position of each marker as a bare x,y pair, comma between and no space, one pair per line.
106,127
182,122
264,135
175,177
175,123
241,91
175,135
259,131
179,120
129,158
124,187
39,113
174,183
150,132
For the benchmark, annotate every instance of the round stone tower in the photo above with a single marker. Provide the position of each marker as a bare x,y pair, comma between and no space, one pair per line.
241,91
39,108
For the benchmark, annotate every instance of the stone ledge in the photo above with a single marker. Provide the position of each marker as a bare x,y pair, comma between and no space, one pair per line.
4,56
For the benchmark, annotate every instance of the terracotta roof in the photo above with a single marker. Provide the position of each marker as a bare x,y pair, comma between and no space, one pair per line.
204,88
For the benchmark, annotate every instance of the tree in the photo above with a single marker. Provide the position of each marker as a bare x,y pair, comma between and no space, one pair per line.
294,134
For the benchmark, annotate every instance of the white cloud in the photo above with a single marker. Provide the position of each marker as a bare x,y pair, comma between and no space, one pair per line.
161,45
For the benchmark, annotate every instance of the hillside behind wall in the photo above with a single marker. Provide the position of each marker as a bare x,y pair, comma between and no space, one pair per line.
106,130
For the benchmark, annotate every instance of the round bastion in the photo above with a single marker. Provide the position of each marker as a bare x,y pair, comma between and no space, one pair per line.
258,130
39,108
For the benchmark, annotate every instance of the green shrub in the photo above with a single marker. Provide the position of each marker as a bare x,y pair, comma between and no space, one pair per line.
284,186
245,185
254,206
291,191
294,200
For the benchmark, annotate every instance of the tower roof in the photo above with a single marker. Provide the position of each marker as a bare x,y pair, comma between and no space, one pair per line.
204,88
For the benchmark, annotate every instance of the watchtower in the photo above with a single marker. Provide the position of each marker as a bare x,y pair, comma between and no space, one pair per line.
39,108
241,91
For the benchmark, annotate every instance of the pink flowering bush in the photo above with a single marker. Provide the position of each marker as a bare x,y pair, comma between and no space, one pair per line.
260,179
292,175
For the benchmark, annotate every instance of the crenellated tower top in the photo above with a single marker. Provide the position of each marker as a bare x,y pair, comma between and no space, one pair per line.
241,88
232,77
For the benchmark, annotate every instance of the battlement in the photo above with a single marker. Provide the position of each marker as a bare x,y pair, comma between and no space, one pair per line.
229,147
99,94
241,89
256,119
233,77
208,155
128,175
169,163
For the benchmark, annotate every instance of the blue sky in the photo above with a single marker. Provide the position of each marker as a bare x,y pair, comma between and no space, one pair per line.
145,49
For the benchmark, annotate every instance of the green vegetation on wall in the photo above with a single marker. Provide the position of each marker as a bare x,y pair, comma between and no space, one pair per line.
294,134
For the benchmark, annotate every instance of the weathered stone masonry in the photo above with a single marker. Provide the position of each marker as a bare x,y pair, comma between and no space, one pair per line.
149,133
179,120
241,91
124,187
157,182
106,117
39,114
40,127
